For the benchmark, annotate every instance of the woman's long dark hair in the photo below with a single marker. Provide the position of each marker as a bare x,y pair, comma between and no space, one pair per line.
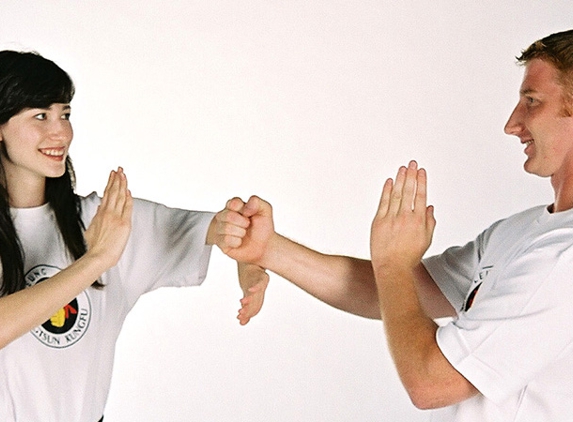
27,80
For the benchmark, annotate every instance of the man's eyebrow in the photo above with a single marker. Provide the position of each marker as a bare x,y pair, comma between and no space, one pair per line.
527,91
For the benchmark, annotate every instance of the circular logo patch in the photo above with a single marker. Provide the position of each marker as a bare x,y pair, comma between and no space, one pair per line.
68,325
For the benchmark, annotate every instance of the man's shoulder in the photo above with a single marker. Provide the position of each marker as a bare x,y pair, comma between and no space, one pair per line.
520,218
532,213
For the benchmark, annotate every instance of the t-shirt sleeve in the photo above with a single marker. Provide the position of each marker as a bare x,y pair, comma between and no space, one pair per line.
166,248
519,323
452,271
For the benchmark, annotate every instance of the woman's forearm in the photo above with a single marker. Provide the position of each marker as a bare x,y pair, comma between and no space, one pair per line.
24,310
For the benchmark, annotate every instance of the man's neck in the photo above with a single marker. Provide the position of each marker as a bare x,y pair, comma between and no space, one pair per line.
563,190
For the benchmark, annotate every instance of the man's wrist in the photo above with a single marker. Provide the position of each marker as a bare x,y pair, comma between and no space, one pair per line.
272,252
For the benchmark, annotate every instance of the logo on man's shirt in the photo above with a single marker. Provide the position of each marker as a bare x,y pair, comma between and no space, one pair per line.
471,297
68,325
476,284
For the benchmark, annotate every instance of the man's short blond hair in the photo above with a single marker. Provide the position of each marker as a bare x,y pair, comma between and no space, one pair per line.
556,49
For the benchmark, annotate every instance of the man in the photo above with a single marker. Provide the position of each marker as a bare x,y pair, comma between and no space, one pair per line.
507,354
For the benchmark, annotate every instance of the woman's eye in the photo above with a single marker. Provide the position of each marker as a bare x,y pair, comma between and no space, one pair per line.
41,116
66,116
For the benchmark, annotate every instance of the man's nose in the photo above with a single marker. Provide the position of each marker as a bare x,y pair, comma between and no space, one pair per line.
514,124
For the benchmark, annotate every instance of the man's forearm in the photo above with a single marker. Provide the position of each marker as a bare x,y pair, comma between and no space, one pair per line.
431,381
343,282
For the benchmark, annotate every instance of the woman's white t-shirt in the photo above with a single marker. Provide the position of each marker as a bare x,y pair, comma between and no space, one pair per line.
61,370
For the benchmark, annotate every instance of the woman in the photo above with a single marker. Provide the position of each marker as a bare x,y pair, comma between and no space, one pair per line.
65,291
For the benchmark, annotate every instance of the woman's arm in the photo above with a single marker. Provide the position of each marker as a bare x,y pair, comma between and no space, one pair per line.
106,238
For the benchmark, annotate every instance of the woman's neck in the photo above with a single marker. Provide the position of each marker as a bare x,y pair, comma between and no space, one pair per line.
25,189
22,195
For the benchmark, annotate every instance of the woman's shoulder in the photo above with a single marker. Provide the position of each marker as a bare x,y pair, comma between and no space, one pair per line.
92,198
89,205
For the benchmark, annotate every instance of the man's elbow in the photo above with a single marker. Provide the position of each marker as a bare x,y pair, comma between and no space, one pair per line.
430,395
423,399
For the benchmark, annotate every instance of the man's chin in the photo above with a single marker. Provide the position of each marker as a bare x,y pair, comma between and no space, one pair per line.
536,172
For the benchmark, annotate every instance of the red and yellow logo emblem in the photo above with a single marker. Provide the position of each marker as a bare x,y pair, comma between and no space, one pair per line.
69,324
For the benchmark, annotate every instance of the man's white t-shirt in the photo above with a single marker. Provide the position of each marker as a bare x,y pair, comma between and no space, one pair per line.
61,370
513,337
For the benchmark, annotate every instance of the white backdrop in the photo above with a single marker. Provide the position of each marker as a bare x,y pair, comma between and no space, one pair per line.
311,105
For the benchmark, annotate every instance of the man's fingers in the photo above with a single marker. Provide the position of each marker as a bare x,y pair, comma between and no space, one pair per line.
385,198
410,188
257,206
397,191
421,191
402,195
254,206
431,220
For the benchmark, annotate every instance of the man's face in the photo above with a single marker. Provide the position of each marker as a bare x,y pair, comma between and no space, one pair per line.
540,122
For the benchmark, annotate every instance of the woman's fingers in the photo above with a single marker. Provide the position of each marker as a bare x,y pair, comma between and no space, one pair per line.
109,230
116,193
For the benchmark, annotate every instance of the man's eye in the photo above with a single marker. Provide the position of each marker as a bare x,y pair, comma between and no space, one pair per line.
66,116
41,116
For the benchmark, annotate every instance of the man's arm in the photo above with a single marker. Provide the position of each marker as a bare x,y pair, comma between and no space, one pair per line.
343,282
432,300
401,233
246,231
405,296
346,283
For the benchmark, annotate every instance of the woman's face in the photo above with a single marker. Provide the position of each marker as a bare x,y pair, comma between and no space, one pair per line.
36,143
